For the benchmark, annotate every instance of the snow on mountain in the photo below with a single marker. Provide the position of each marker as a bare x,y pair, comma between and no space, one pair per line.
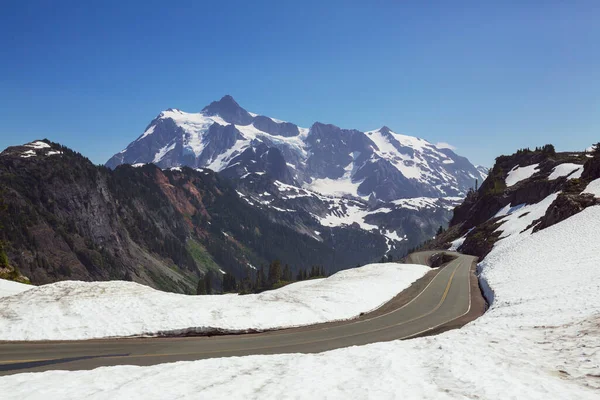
538,340
403,223
483,171
571,170
37,148
518,174
519,219
324,158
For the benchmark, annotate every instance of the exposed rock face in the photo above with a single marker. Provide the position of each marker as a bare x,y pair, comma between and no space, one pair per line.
228,109
285,129
260,159
592,169
332,149
565,206
218,137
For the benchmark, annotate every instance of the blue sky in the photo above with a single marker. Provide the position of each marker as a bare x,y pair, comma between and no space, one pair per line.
486,77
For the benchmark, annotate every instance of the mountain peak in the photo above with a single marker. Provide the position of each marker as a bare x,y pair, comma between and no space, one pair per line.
384,129
228,109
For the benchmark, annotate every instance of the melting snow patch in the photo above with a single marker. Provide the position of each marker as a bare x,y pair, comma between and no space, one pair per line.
518,174
28,153
38,145
522,216
455,244
567,169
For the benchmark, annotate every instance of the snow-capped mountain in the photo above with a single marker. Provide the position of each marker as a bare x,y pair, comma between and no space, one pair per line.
325,158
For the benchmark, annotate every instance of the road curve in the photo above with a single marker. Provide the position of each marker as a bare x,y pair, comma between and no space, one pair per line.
446,298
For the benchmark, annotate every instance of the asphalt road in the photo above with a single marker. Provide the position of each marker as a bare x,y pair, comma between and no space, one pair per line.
446,298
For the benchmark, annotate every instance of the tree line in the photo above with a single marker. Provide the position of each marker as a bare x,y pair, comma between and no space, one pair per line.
274,276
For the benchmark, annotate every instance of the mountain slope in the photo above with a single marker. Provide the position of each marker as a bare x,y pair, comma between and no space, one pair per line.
69,219
223,137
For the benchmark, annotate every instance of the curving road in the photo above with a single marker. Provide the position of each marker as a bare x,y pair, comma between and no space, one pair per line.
444,300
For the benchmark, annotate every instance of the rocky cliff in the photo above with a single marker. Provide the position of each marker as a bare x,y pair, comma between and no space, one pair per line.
526,191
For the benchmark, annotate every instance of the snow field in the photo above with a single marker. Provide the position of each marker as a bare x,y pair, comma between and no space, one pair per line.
83,310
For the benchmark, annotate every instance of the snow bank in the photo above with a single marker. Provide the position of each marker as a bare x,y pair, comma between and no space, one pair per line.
567,169
84,310
593,187
9,288
539,340
518,174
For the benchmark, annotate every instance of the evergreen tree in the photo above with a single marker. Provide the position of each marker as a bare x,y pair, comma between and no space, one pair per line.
274,272
201,288
440,231
229,283
549,150
208,281
260,278
3,256
596,150
287,273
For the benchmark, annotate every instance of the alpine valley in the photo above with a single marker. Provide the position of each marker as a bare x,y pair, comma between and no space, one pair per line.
225,190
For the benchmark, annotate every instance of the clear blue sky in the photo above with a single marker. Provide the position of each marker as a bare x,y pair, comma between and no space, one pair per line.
486,77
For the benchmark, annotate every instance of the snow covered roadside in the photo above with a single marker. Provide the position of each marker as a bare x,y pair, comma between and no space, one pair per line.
9,288
539,340
84,310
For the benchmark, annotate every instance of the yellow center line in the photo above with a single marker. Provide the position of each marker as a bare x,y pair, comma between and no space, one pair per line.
443,298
